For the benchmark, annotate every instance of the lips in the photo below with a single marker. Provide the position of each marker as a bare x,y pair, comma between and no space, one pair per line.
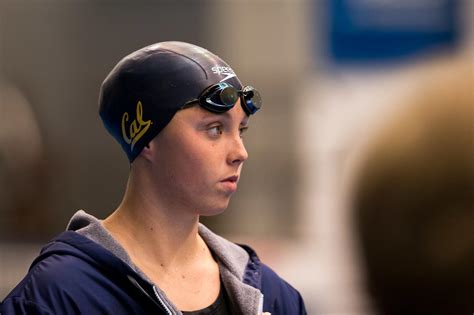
230,183
232,179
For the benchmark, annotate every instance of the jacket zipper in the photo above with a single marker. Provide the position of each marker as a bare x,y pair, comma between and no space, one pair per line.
260,304
162,304
161,301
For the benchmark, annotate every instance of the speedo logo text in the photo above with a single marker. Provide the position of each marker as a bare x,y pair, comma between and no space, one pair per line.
227,71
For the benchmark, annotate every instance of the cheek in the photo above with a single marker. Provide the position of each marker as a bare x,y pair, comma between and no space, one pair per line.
191,165
203,163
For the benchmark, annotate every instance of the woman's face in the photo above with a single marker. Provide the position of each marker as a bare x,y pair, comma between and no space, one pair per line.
199,157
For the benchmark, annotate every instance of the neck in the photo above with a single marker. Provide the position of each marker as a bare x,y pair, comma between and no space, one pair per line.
153,230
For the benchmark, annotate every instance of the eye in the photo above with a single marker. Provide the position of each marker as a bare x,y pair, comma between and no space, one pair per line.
214,131
242,130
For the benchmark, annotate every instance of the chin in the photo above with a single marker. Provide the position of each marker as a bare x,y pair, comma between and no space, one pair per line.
215,209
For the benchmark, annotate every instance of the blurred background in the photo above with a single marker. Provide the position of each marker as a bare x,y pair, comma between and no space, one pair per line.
332,74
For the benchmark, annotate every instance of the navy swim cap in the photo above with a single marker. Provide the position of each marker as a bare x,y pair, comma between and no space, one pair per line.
145,89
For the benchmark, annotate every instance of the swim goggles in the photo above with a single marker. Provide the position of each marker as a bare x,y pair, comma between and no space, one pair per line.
221,97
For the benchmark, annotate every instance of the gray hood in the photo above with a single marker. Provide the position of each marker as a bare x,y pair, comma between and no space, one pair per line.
231,258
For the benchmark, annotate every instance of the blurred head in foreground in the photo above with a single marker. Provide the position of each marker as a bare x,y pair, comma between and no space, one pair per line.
414,200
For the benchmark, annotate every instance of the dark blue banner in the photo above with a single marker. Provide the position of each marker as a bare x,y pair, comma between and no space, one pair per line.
374,30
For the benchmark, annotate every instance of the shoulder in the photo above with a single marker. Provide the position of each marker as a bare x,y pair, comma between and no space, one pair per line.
44,288
65,279
279,296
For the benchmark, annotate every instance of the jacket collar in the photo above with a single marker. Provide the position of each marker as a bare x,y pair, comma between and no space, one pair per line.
238,264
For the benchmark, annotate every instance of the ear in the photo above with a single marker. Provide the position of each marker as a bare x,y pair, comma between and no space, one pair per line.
148,151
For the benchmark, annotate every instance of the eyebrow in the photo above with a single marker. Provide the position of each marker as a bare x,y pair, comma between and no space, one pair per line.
226,115
245,121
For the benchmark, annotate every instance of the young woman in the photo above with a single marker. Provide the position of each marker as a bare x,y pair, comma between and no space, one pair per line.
178,112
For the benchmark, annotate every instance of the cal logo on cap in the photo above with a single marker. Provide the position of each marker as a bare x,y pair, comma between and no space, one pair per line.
137,128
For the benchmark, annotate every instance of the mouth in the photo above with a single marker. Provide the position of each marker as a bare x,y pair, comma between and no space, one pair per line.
230,183
231,179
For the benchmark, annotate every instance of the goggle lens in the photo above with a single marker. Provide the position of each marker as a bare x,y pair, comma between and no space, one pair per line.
252,100
229,96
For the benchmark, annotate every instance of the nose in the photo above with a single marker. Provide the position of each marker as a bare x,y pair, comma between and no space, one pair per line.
237,152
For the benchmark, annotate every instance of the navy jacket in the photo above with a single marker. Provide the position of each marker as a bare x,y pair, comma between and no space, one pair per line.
75,275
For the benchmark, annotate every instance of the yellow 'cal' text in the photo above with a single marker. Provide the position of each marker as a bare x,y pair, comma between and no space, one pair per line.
137,128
